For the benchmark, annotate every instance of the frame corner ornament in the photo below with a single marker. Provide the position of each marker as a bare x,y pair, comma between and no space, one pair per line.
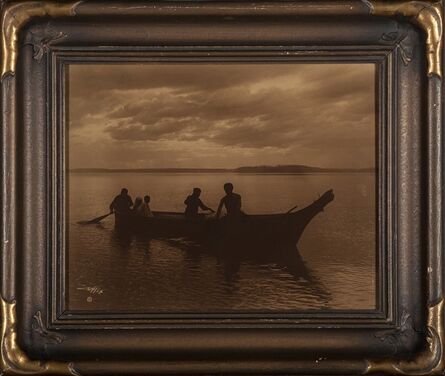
15,15
427,15
13,361
431,361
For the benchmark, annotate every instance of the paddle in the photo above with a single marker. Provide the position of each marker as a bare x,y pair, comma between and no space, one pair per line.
95,220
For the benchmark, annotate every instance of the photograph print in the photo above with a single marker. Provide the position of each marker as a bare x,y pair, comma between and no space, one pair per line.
221,187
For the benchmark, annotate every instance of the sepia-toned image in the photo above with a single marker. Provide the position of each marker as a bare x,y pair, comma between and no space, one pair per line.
221,187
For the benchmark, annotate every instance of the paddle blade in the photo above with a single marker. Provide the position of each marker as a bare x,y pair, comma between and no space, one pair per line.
95,220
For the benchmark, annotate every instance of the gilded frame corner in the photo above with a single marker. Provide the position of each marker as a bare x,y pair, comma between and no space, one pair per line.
428,362
13,361
426,15
16,15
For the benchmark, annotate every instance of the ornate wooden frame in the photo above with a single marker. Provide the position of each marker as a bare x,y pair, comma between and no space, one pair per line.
403,37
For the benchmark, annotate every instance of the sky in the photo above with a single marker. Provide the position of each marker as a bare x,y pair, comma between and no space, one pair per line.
221,115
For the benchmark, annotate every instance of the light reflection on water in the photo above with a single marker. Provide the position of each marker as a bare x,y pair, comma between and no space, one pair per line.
336,269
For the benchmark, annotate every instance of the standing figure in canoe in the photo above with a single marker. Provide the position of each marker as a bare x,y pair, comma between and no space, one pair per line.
193,204
121,207
231,201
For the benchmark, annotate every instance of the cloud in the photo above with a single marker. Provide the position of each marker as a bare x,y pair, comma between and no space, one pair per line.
275,107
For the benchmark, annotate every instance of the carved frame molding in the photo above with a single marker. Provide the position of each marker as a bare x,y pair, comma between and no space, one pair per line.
426,15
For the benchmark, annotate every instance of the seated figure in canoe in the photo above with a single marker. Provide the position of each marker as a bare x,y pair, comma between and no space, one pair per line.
136,206
193,204
142,208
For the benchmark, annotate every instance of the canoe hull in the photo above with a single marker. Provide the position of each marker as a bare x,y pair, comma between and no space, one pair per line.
254,232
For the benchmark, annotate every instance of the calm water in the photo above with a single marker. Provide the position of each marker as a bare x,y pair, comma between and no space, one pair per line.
337,249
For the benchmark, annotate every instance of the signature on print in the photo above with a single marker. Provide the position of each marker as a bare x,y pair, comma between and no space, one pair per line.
92,289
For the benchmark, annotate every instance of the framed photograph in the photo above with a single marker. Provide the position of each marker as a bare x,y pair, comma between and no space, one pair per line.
206,187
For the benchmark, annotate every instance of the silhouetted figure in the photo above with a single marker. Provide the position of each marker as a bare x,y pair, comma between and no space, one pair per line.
122,203
231,201
121,207
137,205
143,209
193,204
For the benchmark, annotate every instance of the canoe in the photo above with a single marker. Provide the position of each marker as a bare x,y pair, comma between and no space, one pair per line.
265,230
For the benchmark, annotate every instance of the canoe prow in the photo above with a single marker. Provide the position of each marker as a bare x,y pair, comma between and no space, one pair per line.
303,217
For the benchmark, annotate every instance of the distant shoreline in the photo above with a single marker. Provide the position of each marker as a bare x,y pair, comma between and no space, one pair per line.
290,169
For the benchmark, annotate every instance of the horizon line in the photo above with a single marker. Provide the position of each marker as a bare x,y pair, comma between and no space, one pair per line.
264,168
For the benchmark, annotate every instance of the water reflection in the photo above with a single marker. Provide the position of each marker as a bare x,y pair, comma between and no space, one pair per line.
287,261
121,239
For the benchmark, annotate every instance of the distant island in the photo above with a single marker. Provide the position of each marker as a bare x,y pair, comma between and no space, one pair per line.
280,169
